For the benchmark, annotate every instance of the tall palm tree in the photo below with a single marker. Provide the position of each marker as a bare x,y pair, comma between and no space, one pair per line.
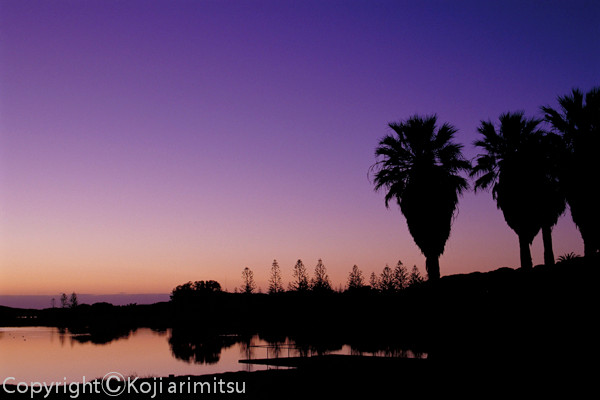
513,167
553,195
578,120
419,165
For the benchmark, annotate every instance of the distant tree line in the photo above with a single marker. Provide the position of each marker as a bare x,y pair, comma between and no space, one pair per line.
191,290
389,281
533,171
66,301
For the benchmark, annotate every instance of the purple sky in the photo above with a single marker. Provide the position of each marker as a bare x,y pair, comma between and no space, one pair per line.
147,143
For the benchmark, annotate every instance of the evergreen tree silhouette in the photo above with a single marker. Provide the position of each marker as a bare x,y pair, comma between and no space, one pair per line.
355,279
300,282
320,281
248,285
275,282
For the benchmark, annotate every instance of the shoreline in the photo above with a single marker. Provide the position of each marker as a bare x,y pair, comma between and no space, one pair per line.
507,331
424,378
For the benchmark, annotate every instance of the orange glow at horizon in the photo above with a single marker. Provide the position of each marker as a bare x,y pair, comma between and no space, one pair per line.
157,267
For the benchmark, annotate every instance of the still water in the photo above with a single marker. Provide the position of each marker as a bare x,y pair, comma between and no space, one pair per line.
50,354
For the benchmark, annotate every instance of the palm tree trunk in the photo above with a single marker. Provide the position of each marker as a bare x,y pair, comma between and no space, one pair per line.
588,248
432,265
548,252
525,253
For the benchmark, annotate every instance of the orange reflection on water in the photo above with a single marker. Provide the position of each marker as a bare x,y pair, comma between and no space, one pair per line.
44,354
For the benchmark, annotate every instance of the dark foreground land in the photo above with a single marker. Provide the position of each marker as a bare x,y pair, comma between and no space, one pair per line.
505,332
347,378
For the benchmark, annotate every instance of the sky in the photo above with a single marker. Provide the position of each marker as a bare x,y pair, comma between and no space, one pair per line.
144,144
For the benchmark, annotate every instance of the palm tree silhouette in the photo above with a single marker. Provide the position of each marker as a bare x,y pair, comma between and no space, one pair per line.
419,166
515,168
579,124
554,202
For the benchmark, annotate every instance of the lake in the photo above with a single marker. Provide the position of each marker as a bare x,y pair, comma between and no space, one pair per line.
50,354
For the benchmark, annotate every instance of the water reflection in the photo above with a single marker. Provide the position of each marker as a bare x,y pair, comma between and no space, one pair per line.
70,354
194,346
197,346
275,346
247,347
100,335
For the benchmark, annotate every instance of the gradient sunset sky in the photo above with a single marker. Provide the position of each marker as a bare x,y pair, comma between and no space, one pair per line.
144,144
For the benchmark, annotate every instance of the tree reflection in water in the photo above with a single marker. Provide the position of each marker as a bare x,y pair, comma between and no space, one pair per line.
199,347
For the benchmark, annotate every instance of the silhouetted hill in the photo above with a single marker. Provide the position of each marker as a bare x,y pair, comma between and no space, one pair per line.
44,301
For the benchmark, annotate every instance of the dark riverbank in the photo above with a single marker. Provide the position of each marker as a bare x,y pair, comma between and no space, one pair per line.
324,377
500,331
341,378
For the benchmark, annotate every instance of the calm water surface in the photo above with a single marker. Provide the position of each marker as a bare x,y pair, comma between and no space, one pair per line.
32,354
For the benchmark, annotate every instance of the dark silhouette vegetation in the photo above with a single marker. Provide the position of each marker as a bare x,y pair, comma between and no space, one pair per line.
533,170
248,285
191,290
513,165
557,295
419,166
504,328
275,281
577,122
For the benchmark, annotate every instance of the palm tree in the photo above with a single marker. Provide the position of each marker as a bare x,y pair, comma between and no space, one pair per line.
554,202
419,165
513,166
579,123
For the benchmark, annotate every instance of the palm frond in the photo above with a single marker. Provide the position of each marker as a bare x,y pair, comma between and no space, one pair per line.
419,166
486,180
